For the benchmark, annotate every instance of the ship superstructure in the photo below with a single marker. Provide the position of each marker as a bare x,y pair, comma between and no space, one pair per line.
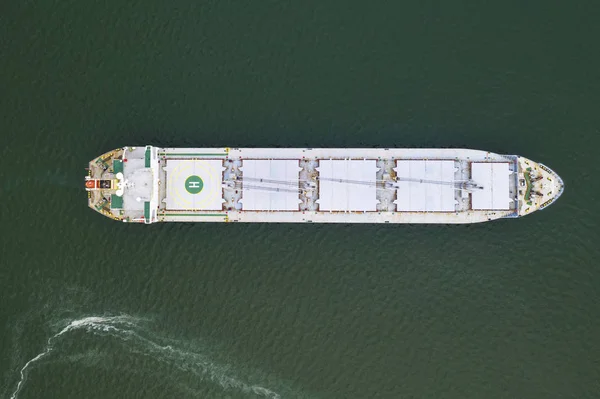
317,185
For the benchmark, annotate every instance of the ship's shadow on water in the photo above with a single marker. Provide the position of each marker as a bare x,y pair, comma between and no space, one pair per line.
182,365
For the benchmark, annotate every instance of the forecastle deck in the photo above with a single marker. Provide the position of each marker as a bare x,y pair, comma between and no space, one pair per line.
150,184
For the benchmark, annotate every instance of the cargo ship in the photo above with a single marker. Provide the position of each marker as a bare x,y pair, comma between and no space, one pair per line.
317,185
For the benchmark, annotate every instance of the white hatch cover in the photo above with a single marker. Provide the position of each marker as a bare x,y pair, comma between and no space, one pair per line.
279,188
434,194
494,178
355,188
194,184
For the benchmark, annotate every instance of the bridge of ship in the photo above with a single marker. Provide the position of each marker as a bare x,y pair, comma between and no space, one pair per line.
217,182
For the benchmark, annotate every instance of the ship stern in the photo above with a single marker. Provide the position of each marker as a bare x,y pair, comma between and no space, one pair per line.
123,184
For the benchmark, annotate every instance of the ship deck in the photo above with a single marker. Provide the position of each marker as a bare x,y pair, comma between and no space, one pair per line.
317,185
327,185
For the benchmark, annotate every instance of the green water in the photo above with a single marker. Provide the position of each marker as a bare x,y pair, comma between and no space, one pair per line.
96,309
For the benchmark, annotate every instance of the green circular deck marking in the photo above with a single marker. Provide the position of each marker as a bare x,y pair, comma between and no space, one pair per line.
194,184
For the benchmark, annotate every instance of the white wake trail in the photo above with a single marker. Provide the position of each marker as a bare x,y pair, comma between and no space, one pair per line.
124,328
89,322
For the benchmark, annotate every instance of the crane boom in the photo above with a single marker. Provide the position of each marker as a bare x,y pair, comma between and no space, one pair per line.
386,184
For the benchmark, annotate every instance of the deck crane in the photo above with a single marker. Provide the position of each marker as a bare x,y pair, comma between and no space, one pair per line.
467,185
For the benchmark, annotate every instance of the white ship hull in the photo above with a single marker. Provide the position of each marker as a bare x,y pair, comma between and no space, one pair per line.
317,185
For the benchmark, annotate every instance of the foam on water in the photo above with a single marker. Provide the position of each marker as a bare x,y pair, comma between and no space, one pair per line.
128,328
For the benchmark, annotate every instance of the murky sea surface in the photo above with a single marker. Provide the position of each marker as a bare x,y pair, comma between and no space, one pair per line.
91,308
